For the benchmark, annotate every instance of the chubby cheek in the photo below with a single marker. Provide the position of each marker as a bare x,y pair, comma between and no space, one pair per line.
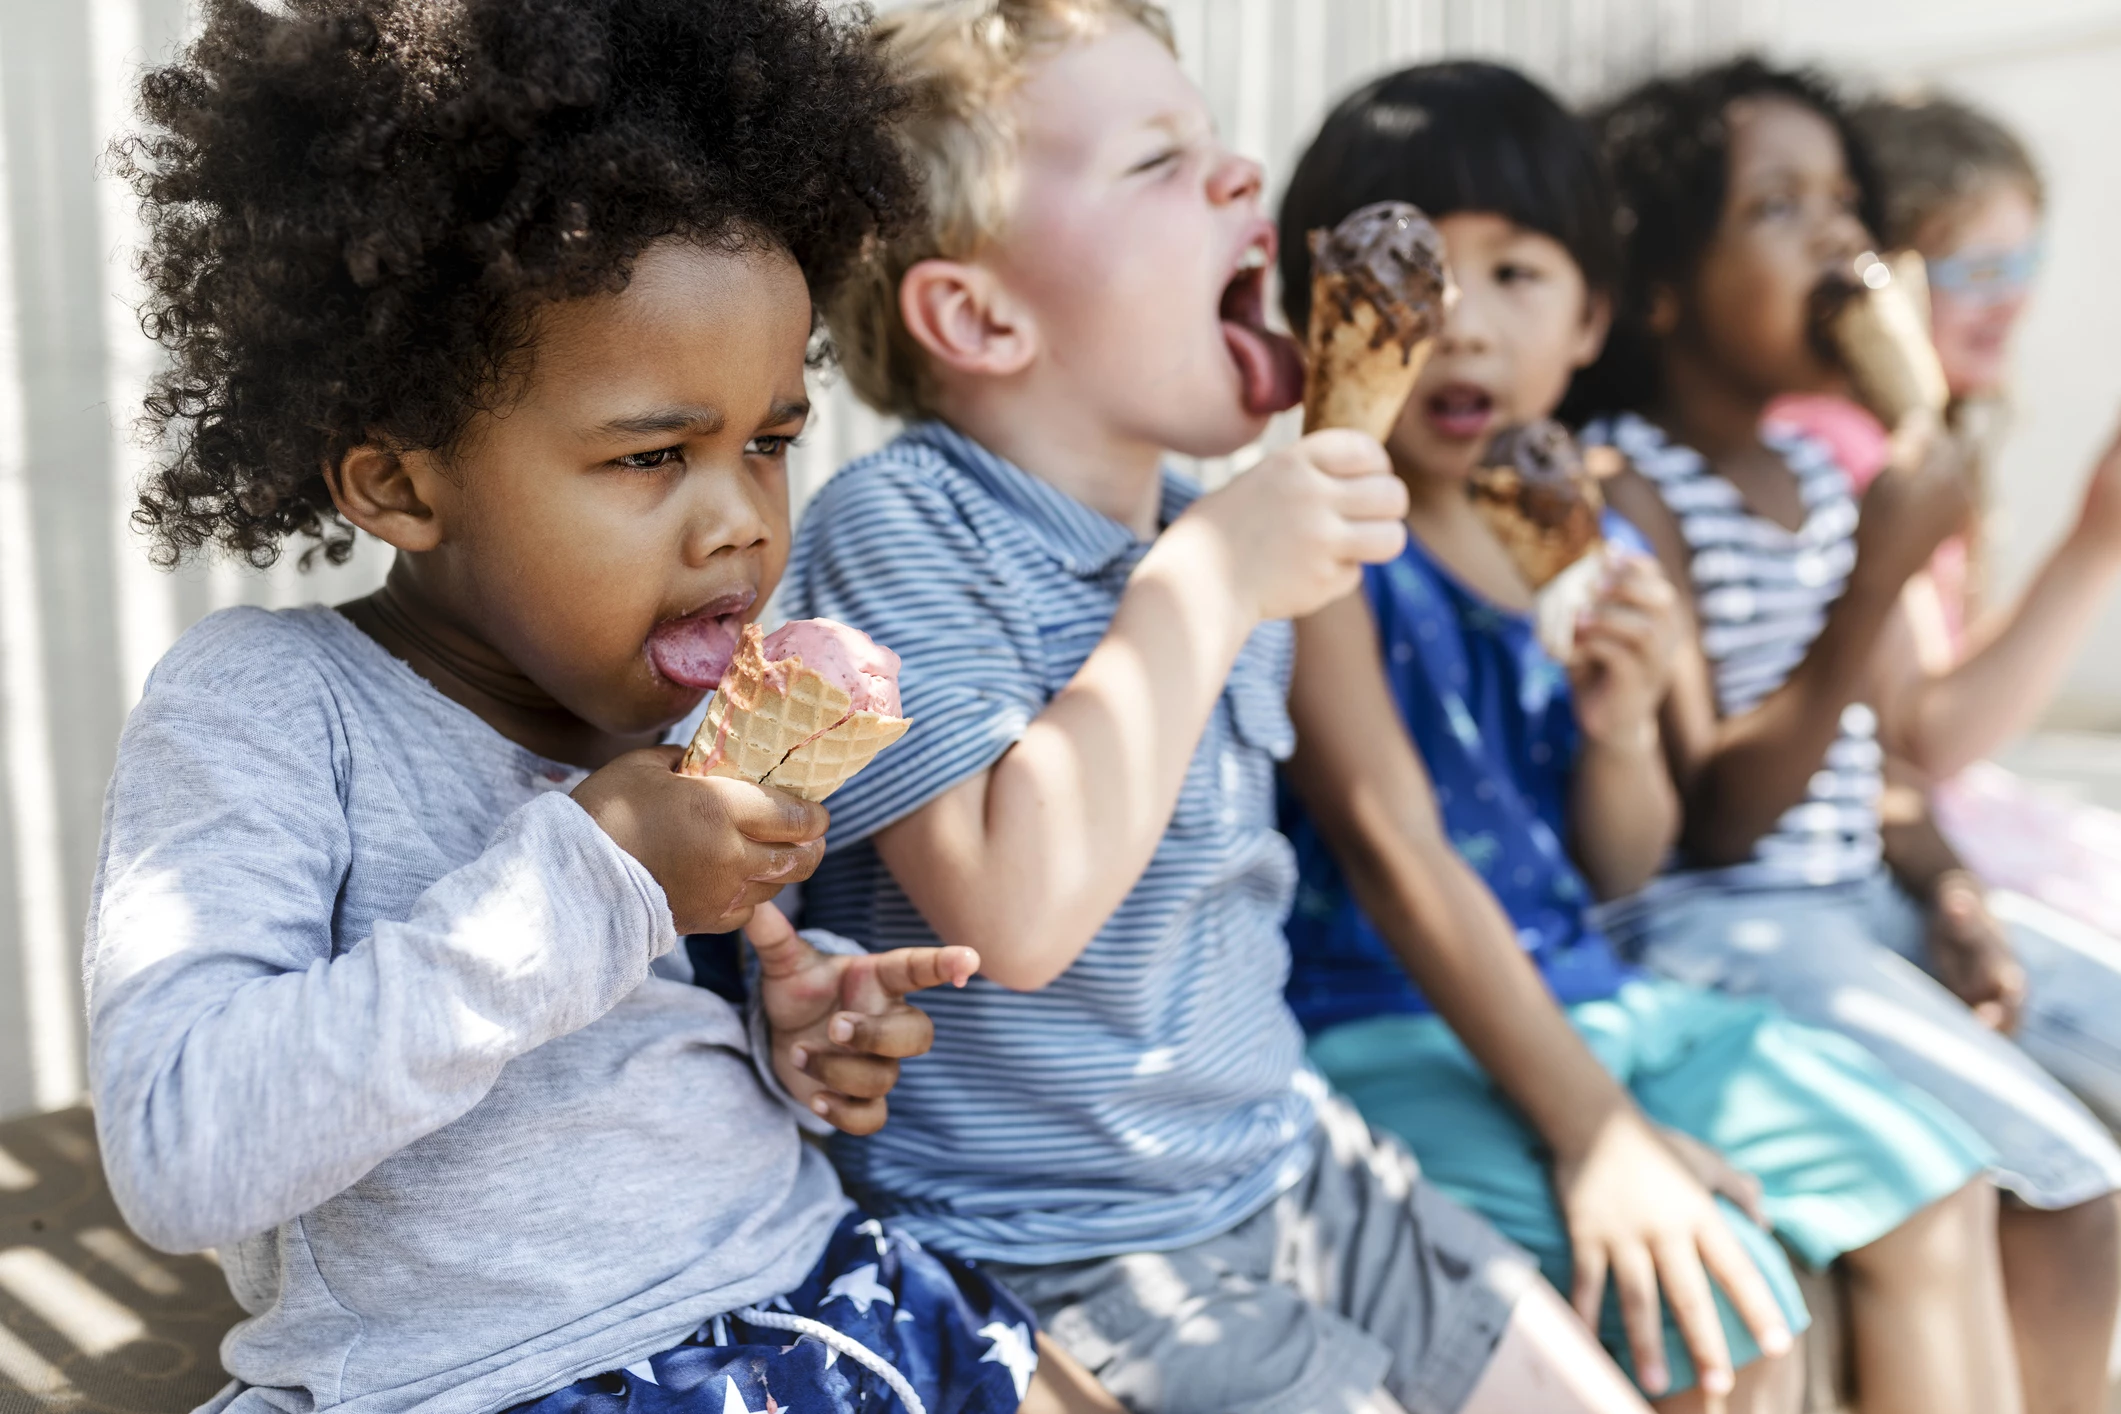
1756,318
1972,344
583,584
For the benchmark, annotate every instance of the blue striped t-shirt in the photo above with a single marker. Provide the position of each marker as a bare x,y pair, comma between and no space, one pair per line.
1156,1093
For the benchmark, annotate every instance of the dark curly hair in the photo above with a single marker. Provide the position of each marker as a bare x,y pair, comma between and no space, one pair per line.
355,205
1667,143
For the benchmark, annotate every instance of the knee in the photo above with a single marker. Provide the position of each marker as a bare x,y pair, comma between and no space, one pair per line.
1952,1236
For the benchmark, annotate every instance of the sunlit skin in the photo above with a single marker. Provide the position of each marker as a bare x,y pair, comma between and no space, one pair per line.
1973,336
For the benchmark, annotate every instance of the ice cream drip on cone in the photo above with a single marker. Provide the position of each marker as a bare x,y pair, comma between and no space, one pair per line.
777,720
1379,292
1872,321
1541,498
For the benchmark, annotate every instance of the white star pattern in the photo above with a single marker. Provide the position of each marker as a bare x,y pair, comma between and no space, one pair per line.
1012,1347
875,1229
861,1287
643,1371
735,1403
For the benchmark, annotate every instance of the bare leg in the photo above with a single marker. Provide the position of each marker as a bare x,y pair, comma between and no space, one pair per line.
1547,1360
2062,1277
1927,1314
1062,1386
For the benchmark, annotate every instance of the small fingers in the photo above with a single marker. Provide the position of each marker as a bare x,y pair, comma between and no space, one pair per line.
1373,542
1693,1307
1635,1282
901,1032
845,1073
770,815
1587,1292
849,1115
1340,451
904,970
1734,1270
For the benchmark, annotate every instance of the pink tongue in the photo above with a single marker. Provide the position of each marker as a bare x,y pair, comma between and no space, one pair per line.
1269,365
695,651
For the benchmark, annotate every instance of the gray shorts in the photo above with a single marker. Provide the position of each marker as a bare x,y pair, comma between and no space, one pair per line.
1852,958
1361,1276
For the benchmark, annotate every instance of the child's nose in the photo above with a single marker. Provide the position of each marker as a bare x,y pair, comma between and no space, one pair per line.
1235,178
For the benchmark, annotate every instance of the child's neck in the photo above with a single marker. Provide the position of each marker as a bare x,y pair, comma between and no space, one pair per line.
1441,517
1705,410
1117,476
408,622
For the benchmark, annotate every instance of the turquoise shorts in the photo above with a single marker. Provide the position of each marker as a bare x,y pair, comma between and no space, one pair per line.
1844,1152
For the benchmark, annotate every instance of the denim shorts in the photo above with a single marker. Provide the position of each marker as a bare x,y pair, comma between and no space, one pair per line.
1851,958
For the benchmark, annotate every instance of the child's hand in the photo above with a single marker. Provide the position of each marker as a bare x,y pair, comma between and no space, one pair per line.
1717,1174
1635,1212
840,1024
1972,955
1622,663
1921,498
2099,519
1297,529
718,846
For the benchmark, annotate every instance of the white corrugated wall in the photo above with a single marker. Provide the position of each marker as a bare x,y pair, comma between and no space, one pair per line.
82,614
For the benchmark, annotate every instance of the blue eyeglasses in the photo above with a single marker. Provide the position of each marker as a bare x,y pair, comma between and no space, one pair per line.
1988,276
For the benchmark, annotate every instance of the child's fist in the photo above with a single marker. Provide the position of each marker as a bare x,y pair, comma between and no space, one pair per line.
718,846
1922,497
840,1023
1625,642
1297,529
1971,954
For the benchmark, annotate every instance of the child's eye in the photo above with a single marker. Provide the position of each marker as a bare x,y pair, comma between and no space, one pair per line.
650,461
1166,158
1509,273
772,445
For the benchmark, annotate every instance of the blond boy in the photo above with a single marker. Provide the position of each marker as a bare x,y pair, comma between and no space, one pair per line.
1117,1116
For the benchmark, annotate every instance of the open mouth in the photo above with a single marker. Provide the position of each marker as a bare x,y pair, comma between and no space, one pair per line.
1269,365
695,649
1460,411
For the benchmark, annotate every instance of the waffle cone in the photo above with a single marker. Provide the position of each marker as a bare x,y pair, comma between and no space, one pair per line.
1360,374
1883,338
782,724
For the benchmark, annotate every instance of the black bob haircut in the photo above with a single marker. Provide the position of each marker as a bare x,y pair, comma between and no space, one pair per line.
355,207
1450,138
1668,145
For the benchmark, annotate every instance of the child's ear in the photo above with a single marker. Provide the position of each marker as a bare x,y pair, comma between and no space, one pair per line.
1597,323
965,319
388,493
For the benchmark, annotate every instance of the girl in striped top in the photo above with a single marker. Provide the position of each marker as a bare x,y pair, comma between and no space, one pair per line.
1742,188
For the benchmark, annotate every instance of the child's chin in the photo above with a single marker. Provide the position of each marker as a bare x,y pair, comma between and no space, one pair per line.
1214,432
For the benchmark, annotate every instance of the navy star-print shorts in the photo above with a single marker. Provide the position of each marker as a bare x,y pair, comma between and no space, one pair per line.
880,1326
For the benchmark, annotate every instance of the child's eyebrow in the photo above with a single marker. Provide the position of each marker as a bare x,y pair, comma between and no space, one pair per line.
699,421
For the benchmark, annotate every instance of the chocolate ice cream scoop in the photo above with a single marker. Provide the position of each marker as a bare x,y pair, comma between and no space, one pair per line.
1536,493
1379,292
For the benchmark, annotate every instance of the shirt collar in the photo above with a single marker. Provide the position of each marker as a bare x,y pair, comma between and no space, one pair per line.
1082,541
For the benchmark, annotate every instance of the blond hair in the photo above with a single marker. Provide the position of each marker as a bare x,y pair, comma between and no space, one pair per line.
959,62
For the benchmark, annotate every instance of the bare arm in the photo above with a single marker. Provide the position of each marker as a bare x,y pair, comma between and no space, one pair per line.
1947,718
1737,775
1631,1208
1027,860
1623,811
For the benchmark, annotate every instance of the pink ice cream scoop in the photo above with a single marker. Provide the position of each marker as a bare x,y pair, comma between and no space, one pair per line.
853,660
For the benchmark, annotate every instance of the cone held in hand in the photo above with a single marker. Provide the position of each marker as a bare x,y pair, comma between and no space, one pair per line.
782,723
1872,321
1379,294
1541,498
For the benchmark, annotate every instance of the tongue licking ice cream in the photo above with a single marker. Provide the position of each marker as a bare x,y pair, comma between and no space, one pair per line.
695,651
1379,293
1542,500
1872,319
802,709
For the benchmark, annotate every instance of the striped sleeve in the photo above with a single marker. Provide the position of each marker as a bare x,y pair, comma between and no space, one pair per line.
886,548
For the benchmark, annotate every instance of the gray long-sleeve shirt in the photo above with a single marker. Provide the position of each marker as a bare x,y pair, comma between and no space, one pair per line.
377,1011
